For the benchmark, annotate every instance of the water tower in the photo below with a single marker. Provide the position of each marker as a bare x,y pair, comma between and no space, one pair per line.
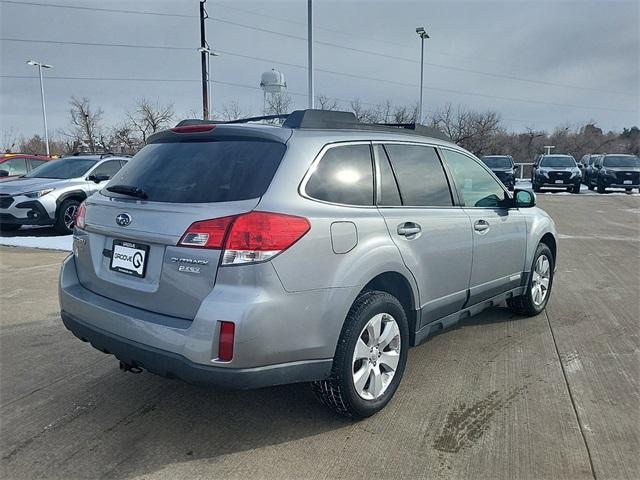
272,83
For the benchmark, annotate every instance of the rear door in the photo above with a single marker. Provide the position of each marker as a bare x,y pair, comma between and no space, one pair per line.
499,232
129,250
433,235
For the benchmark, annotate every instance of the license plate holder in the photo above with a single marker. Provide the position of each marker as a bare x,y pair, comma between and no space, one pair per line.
627,182
129,258
559,181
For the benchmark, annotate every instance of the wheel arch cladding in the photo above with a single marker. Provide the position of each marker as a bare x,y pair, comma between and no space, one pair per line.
78,195
397,285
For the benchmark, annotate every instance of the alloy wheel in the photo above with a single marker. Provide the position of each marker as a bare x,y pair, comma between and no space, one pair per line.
540,281
376,356
69,216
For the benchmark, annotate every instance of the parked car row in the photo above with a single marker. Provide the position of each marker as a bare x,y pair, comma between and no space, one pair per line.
611,171
51,193
596,171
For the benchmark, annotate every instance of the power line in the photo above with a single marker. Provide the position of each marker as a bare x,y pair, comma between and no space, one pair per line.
123,45
446,90
329,44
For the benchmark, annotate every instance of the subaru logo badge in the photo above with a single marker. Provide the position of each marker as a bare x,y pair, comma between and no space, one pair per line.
123,219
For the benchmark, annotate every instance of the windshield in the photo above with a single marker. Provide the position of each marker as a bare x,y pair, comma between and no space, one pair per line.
558,161
497,162
621,161
70,167
200,172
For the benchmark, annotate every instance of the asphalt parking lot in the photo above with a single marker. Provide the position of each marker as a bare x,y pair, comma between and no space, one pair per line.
497,397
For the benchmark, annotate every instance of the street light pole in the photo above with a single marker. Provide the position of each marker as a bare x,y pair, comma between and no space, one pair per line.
40,66
311,92
422,34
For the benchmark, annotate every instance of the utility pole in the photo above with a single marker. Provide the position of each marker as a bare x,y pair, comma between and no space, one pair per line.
310,52
423,35
203,61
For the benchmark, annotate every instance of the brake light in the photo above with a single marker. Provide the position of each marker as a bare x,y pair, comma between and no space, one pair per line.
251,237
225,342
79,218
193,129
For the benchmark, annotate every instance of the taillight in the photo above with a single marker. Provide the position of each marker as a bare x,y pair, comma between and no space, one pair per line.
206,234
78,220
225,342
247,238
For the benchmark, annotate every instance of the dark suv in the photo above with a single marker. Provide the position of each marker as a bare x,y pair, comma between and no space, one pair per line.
615,171
503,167
556,171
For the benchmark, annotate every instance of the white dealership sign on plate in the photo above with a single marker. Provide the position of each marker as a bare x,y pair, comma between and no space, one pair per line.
129,258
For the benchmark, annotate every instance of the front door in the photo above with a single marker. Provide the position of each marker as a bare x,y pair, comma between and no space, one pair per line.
499,231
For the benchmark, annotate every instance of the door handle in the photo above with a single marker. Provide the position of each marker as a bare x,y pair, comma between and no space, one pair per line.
481,226
409,229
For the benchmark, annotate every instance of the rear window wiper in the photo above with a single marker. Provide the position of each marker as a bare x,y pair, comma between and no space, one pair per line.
128,190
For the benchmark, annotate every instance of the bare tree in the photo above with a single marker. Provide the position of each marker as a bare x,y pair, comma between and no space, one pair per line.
278,103
326,103
149,117
86,123
9,140
232,111
470,129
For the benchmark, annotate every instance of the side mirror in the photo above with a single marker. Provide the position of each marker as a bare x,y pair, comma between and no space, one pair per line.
4,173
98,178
524,198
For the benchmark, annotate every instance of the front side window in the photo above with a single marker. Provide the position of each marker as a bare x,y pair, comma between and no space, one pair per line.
420,175
477,186
36,163
343,175
15,166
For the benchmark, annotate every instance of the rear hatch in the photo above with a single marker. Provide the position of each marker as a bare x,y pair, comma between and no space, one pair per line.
131,251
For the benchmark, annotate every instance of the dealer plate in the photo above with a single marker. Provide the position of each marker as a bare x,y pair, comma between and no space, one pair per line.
129,258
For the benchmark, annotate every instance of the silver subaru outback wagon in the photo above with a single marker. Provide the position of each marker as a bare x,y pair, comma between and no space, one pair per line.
247,255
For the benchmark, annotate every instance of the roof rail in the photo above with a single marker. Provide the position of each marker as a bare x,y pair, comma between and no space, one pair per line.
327,119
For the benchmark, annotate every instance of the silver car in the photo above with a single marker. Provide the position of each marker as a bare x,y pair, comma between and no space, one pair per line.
51,193
253,255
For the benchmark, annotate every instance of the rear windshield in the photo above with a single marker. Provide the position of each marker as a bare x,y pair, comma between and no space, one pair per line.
557,161
202,172
64,168
621,161
497,162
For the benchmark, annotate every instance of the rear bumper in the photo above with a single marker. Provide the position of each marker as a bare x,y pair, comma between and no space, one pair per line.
171,365
280,337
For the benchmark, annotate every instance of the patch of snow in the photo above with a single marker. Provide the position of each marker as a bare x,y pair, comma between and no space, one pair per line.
51,243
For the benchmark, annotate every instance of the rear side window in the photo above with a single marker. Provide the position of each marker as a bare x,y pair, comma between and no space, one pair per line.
202,172
109,168
420,176
343,175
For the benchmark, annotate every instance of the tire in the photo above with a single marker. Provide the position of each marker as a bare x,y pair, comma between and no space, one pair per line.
590,186
68,207
575,189
600,188
339,392
526,304
9,227
536,188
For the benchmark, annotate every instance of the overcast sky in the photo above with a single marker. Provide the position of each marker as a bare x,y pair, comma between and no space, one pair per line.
538,63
